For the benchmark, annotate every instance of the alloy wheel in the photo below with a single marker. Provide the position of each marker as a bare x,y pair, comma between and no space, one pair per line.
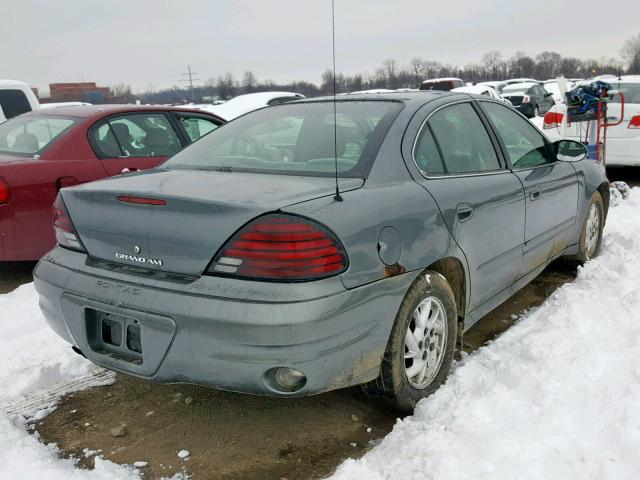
425,342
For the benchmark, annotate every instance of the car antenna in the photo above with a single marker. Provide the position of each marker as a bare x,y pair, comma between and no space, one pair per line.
337,197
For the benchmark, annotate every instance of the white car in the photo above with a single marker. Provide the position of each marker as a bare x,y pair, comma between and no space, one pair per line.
16,98
252,101
498,85
623,137
553,87
482,90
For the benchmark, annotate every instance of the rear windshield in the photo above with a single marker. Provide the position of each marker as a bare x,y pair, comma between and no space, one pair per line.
30,135
296,139
631,92
509,90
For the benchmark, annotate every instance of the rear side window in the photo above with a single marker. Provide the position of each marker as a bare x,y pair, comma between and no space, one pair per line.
525,145
14,103
426,154
137,135
464,142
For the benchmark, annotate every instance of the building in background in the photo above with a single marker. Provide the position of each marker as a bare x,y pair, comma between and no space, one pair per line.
80,92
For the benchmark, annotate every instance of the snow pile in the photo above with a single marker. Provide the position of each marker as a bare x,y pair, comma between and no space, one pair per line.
556,396
34,358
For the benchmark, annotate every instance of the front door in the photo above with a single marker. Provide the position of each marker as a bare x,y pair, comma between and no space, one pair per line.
482,202
550,186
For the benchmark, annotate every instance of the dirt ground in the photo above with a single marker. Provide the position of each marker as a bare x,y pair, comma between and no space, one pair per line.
234,436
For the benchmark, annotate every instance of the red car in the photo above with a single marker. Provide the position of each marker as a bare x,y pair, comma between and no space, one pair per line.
45,150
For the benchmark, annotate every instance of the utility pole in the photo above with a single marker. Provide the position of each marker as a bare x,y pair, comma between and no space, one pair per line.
189,74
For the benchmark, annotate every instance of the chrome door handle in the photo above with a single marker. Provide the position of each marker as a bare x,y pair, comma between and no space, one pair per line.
464,212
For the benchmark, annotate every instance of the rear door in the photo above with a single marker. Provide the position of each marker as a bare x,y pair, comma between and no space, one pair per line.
134,141
550,186
482,202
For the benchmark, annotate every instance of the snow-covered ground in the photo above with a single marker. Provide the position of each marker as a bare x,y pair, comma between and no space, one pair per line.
556,396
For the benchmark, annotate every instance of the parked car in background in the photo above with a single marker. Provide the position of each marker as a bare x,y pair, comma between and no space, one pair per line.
252,101
482,90
62,104
512,81
553,87
16,98
623,139
236,265
530,99
444,84
497,85
48,149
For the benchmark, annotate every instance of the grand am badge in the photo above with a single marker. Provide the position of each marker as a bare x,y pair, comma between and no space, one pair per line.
138,259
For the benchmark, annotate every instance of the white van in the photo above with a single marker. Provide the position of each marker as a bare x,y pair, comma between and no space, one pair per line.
16,98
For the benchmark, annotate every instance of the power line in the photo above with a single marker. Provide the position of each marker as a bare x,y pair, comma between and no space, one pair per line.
189,74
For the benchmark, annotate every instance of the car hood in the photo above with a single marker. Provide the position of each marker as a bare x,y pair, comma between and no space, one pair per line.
203,210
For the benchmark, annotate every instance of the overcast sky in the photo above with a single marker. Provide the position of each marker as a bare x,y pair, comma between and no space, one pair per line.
147,43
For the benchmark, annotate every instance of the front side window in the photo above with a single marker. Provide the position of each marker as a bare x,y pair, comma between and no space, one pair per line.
14,103
464,142
30,135
197,127
135,135
525,146
296,138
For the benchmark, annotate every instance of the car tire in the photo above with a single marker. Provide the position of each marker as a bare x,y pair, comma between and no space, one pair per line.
408,375
591,233
536,111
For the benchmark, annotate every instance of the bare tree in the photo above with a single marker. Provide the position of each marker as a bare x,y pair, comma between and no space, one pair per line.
631,53
419,70
493,62
249,82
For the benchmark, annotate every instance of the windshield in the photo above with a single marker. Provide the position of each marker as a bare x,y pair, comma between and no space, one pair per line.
631,92
26,136
297,139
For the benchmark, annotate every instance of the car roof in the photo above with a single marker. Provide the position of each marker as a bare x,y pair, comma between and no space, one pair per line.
474,89
415,97
86,111
515,86
13,84
443,79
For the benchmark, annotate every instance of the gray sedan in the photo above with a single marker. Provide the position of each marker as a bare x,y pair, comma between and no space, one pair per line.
300,249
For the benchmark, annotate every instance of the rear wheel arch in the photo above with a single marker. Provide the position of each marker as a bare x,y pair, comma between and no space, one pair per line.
453,271
603,189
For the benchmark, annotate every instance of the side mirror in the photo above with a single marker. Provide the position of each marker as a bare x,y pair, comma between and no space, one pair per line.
570,150
547,94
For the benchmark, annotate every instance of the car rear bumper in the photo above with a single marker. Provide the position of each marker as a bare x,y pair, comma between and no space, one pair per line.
219,332
525,109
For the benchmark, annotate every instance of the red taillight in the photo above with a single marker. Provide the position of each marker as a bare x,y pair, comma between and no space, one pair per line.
281,247
552,120
634,123
66,234
5,192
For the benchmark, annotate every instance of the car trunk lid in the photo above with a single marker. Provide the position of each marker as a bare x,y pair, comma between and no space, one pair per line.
190,216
